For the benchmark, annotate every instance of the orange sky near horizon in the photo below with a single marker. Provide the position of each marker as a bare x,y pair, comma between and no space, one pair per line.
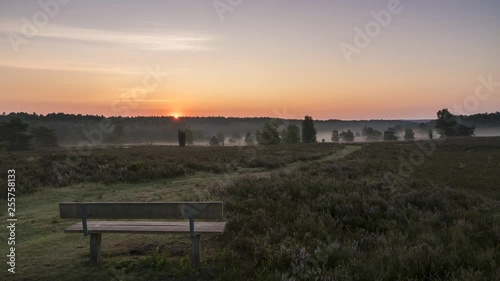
277,60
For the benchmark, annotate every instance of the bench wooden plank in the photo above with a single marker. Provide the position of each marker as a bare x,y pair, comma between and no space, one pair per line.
147,227
142,210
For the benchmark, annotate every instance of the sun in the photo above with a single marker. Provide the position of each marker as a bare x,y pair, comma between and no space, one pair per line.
175,115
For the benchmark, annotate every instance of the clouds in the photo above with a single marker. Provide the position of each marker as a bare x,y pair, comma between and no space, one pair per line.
57,47
69,66
150,40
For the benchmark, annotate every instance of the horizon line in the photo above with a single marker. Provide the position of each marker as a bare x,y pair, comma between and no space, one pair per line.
235,117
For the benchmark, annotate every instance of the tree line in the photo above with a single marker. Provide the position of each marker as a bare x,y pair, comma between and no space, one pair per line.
16,135
446,125
22,131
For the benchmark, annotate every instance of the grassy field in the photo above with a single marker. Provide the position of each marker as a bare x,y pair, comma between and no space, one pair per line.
294,212
62,167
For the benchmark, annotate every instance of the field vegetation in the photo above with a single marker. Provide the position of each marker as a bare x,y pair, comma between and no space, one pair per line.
53,167
294,212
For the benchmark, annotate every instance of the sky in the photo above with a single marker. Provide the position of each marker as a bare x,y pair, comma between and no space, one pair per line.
331,59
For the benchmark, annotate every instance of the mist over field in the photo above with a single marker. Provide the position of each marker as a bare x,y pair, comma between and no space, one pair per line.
228,140
72,129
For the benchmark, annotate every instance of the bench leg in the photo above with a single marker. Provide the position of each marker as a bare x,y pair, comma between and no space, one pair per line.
95,248
196,251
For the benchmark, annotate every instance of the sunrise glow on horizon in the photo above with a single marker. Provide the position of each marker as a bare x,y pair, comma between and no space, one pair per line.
263,58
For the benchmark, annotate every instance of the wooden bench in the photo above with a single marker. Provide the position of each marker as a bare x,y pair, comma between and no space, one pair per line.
136,211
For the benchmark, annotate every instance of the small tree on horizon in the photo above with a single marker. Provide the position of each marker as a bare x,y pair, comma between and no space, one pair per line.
221,138
422,129
390,135
398,130
268,134
347,136
214,141
292,134
335,136
14,135
371,134
447,125
182,137
236,136
44,137
308,130
409,134
249,140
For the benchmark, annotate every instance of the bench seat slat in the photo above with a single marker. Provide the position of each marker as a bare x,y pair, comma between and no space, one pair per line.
147,227
142,210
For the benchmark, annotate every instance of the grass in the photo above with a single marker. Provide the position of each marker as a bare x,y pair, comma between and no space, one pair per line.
330,216
46,253
62,167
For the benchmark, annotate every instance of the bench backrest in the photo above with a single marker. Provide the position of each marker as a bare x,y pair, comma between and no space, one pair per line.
141,210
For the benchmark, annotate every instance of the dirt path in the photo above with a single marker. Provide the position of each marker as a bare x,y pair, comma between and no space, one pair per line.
194,187
227,178
293,166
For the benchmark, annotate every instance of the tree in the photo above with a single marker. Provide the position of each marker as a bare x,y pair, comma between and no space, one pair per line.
465,131
371,134
422,128
221,138
189,136
236,136
398,130
283,135
269,134
44,137
308,130
182,138
347,136
249,140
292,134
335,136
119,134
409,134
447,125
390,135
14,136
214,141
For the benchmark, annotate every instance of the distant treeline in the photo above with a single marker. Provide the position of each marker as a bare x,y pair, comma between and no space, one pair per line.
71,128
